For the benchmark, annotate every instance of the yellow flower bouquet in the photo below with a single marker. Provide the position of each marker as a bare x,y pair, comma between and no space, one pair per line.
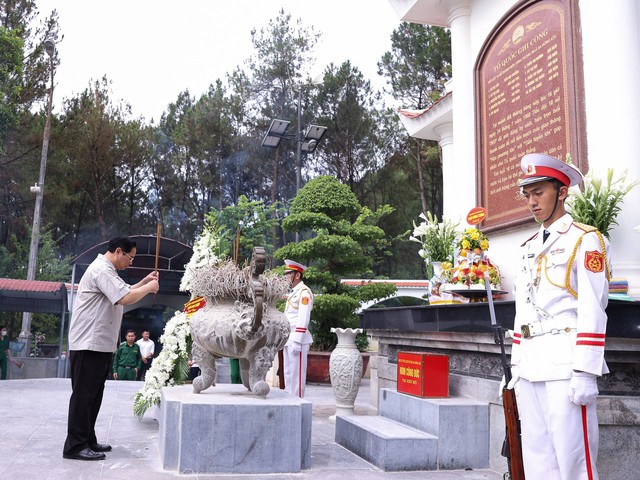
474,267
474,241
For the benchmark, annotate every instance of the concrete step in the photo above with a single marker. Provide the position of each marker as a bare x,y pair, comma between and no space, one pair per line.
460,424
389,445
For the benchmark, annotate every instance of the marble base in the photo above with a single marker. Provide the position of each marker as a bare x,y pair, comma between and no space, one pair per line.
227,429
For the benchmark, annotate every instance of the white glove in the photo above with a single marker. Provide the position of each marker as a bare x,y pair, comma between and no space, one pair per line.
515,378
583,388
296,347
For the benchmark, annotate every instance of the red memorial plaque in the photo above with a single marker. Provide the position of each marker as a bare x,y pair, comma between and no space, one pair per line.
526,80
423,374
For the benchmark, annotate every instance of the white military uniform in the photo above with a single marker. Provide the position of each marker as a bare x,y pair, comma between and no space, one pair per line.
298,312
560,325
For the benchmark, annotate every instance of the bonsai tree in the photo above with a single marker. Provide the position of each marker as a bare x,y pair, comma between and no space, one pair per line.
340,239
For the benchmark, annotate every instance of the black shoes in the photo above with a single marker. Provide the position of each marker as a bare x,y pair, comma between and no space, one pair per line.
86,454
101,447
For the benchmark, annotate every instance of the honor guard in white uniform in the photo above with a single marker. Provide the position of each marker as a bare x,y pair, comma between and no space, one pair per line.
298,311
559,329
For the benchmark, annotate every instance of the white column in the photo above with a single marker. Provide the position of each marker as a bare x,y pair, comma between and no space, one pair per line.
612,103
460,176
449,193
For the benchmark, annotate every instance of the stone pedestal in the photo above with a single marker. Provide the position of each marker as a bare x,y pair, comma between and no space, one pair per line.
227,429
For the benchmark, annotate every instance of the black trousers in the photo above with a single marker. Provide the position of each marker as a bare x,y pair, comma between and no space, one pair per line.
144,368
89,372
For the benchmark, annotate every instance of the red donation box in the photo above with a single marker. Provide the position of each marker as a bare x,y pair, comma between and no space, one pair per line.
423,374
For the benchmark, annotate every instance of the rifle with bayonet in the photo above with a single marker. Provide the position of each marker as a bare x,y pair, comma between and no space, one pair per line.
512,446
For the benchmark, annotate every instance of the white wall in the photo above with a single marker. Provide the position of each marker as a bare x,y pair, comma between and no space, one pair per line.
612,101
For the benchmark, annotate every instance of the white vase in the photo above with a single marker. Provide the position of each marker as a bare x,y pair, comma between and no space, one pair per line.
345,370
437,269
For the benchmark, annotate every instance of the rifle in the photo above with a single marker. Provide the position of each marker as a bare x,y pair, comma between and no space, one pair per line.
512,446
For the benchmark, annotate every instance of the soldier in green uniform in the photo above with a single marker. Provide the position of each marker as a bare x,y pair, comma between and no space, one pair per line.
127,360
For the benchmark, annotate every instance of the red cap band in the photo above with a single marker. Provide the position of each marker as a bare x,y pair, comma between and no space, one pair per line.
549,172
293,267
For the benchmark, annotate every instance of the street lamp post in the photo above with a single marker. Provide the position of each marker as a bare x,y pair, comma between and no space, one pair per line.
305,143
38,189
299,142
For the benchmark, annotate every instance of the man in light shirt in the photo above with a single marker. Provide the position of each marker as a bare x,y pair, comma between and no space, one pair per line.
147,349
93,337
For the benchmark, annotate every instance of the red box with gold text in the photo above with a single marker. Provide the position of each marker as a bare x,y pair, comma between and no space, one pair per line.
423,374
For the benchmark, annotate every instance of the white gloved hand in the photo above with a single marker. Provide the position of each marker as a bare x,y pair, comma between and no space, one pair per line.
583,388
296,347
515,378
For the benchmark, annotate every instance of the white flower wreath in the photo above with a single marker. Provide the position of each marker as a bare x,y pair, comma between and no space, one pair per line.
171,366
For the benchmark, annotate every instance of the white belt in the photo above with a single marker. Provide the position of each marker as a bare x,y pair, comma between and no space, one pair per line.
554,326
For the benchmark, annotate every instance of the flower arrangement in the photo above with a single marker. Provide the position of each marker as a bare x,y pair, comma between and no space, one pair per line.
437,239
601,201
169,367
468,273
474,267
206,252
472,240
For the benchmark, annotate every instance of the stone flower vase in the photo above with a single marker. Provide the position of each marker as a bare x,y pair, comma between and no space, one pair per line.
345,370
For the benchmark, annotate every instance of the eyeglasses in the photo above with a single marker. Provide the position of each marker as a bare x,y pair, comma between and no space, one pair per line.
128,256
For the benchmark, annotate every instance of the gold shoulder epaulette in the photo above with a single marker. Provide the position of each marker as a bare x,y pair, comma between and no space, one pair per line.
585,227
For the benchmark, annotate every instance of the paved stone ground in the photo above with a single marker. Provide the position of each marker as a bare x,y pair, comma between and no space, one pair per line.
34,419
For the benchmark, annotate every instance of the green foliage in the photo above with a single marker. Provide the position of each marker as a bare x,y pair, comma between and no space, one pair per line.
331,310
437,239
253,222
50,267
10,72
342,240
372,291
181,370
346,104
601,201
8,263
326,195
14,259
418,64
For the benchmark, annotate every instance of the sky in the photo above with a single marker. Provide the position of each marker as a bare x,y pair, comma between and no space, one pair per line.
152,50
